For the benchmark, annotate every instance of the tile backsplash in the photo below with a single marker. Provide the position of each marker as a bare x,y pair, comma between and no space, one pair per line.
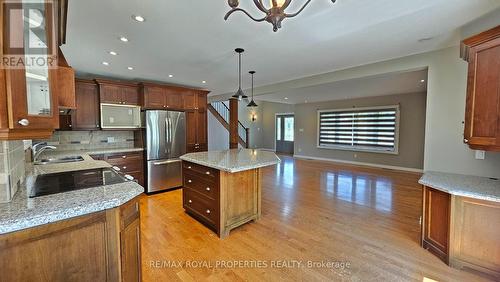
86,140
12,168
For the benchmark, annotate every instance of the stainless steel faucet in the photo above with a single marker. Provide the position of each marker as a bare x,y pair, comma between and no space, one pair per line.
39,148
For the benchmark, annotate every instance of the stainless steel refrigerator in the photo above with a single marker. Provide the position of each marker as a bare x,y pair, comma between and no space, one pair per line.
165,143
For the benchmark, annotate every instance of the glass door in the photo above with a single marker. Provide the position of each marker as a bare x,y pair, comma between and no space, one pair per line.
285,133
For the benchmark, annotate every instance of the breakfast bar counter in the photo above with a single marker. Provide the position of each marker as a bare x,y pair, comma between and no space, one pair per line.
222,189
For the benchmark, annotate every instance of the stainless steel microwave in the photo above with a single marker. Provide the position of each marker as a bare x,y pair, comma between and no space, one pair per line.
115,116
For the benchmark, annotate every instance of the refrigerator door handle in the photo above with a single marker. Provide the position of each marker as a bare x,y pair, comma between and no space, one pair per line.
167,132
166,162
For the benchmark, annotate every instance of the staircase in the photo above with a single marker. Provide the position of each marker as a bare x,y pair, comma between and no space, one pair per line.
221,112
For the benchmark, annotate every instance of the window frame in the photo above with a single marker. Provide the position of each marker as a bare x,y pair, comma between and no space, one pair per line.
359,148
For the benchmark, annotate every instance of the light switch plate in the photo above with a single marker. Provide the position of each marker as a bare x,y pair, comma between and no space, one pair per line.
480,154
111,139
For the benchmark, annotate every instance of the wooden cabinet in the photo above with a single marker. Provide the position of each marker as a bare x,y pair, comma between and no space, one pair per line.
114,92
86,115
131,163
196,131
66,85
102,246
221,200
436,222
28,95
167,97
482,117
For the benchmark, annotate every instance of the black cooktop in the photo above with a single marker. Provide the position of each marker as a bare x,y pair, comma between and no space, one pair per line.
54,183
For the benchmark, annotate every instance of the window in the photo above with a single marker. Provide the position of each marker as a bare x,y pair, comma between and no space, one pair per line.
288,128
360,129
278,129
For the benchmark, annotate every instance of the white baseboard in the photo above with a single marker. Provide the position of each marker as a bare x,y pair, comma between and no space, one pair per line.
360,163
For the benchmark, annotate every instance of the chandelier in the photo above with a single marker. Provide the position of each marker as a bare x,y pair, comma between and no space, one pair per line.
274,15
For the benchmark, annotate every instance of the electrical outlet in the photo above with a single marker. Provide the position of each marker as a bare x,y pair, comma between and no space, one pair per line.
480,154
301,129
355,156
111,139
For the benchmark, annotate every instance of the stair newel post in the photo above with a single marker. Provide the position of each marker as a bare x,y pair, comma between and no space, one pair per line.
233,124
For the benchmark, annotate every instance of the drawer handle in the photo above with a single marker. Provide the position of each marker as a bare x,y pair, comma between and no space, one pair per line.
466,141
190,201
190,181
208,189
124,157
207,173
189,167
124,167
208,211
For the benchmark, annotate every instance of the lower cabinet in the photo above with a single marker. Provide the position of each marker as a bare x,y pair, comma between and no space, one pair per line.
131,163
436,222
463,232
102,246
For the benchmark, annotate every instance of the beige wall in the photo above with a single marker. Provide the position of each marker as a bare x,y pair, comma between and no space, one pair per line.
269,111
411,131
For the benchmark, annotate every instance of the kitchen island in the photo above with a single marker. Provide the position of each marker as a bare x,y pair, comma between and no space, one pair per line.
461,220
222,189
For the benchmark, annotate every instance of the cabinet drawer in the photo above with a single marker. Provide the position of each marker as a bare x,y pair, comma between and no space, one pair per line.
206,173
124,156
207,188
204,208
128,166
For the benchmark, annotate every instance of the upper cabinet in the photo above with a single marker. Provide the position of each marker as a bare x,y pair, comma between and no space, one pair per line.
86,115
114,92
166,97
31,86
482,116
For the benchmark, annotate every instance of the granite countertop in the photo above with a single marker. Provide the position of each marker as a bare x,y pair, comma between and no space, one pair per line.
24,212
234,160
476,187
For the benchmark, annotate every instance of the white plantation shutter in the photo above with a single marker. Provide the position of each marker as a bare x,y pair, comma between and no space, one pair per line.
363,129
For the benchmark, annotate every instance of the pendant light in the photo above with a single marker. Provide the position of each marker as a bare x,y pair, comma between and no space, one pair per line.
252,103
239,94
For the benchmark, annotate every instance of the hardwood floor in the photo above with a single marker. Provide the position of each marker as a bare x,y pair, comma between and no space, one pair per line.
364,221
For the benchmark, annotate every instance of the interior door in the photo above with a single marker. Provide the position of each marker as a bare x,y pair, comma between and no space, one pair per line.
285,133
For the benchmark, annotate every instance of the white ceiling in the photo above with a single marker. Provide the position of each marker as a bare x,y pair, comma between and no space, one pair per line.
190,39
379,85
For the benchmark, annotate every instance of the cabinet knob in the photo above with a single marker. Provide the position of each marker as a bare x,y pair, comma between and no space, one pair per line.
208,211
70,125
190,181
24,122
466,140
207,173
208,189
124,167
189,167
190,201
124,157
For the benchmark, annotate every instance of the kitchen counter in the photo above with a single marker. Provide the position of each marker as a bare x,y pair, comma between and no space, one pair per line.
24,212
475,187
234,160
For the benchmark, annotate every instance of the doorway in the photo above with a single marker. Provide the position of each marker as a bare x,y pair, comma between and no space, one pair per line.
285,134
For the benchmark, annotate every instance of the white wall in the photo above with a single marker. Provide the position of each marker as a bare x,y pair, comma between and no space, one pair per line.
218,136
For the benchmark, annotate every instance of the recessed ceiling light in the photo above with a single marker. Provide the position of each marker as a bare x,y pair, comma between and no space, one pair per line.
113,53
130,68
170,75
139,18
105,63
203,82
124,39
423,80
286,98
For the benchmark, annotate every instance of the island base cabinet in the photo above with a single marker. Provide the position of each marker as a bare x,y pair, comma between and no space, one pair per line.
102,246
436,222
221,200
475,235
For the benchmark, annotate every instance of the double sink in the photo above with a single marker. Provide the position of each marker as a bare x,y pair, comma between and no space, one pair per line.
68,159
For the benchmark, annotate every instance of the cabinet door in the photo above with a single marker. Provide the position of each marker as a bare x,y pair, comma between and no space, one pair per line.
130,95
174,98
130,241
86,116
66,87
482,124
191,120
202,101
201,130
436,222
154,97
32,91
110,94
190,100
